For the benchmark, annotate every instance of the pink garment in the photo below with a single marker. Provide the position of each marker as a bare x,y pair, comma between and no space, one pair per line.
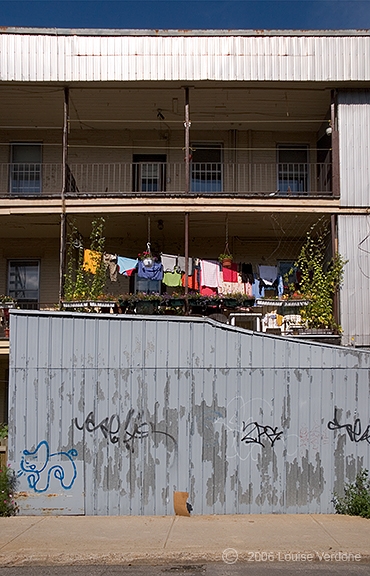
230,274
210,273
206,291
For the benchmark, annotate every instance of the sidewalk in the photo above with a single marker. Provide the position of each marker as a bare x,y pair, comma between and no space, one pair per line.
27,540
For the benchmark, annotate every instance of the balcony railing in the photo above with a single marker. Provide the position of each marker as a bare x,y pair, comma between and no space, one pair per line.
295,179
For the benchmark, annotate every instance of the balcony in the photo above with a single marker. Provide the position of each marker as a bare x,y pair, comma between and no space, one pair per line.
309,180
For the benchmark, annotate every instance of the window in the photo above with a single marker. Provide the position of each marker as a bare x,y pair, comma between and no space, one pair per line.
206,168
25,169
149,173
24,282
292,168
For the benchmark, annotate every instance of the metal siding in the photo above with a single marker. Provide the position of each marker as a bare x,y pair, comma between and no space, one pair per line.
46,58
186,393
354,246
354,141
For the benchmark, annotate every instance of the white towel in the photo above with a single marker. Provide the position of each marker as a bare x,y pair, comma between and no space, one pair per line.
210,273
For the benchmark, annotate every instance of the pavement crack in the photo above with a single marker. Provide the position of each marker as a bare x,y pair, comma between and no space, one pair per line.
325,530
23,532
169,532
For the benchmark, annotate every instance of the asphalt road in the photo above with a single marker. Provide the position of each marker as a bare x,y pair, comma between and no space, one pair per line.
210,569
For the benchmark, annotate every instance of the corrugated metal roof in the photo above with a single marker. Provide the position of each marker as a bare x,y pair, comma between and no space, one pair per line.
234,57
172,32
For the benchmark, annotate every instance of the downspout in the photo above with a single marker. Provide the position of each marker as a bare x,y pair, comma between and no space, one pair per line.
63,217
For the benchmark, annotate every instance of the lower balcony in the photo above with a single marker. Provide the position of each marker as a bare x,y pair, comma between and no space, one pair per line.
117,179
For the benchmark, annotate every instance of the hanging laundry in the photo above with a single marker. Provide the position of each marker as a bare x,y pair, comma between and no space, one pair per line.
91,261
126,265
280,287
181,264
247,273
230,274
210,273
207,291
268,274
110,261
172,279
238,287
154,272
169,261
258,288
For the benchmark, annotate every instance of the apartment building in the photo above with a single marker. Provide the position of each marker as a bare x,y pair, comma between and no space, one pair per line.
187,140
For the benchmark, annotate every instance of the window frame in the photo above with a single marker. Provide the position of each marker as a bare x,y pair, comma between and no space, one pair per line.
24,303
213,145
37,166
139,161
303,176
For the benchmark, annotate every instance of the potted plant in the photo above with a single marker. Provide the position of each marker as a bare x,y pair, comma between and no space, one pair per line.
146,303
7,301
84,288
226,259
320,279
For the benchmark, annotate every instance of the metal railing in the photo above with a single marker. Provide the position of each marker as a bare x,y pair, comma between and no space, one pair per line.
117,179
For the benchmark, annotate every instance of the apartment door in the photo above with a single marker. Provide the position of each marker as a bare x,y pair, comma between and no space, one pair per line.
149,172
292,168
25,168
206,168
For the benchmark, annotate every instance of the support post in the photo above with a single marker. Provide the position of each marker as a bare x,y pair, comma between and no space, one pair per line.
63,217
335,145
187,125
334,251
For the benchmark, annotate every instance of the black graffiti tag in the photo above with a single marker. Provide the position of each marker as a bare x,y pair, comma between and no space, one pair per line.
354,430
254,433
128,431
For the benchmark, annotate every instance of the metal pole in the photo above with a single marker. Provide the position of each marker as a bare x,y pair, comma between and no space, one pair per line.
334,145
187,125
63,218
334,250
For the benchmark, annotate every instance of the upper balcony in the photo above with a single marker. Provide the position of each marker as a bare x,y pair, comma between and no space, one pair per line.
147,178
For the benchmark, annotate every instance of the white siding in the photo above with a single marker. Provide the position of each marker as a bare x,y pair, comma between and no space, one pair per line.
47,57
354,141
354,245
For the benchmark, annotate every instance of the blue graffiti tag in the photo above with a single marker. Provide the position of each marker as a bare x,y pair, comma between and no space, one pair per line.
38,466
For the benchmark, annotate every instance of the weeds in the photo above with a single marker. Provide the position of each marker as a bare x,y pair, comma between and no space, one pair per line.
8,484
356,499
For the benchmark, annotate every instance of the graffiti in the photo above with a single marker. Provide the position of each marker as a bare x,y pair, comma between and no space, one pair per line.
354,430
255,433
131,429
311,438
39,466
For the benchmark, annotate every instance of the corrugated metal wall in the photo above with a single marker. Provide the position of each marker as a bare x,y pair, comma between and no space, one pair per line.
112,414
354,142
354,245
43,57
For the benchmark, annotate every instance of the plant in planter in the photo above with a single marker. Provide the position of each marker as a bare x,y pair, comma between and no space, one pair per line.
320,279
146,303
226,259
7,301
83,283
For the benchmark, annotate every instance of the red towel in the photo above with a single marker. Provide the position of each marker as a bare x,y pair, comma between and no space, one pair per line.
230,274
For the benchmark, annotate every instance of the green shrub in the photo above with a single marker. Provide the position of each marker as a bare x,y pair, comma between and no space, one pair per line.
3,431
8,484
356,499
